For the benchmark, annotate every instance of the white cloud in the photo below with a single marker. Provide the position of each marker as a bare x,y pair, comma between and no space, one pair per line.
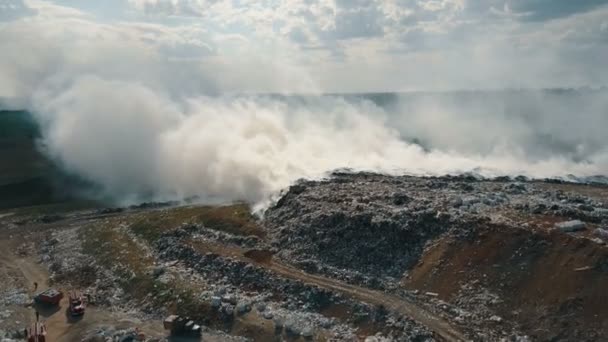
172,7
317,34
336,45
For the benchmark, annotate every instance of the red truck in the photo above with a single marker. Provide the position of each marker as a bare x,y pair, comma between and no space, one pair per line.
36,333
77,304
49,297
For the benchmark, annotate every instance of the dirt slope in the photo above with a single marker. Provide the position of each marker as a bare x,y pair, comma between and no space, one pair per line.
552,284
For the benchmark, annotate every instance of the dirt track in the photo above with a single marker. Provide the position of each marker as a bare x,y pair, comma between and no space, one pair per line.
442,328
60,327
415,312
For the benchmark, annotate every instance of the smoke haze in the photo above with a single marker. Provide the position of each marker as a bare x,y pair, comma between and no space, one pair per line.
143,126
135,141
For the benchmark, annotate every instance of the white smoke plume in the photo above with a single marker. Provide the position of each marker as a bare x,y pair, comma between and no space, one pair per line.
138,142
141,126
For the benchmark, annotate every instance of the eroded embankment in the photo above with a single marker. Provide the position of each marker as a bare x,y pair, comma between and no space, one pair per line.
552,284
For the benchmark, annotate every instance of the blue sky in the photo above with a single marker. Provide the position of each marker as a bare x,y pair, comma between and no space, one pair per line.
314,45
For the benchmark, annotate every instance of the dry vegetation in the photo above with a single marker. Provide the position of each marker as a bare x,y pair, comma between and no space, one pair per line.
236,219
111,244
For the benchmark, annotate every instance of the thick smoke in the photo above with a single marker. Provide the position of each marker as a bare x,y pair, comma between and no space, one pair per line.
138,142
143,127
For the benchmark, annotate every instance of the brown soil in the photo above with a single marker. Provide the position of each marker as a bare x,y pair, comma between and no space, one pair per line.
547,277
260,256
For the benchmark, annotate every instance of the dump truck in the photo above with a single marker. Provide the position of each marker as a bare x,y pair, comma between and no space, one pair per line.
182,326
77,303
49,297
36,332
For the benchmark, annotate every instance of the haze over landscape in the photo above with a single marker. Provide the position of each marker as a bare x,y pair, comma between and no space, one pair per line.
303,170
173,99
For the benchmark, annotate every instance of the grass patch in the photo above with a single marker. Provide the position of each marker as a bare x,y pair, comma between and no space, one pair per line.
112,247
235,219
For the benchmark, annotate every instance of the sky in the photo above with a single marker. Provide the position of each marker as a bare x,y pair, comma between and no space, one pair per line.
152,99
310,45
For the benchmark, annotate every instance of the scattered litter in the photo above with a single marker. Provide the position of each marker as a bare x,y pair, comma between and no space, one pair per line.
496,319
601,233
570,226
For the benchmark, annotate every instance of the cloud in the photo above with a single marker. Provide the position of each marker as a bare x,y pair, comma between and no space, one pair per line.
541,10
334,34
362,22
194,8
531,10
355,45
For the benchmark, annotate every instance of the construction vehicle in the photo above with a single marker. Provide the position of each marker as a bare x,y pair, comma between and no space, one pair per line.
182,326
36,332
77,303
49,297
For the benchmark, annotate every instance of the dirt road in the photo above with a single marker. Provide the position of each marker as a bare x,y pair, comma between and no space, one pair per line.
397,304
60,327
393,303
56,323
